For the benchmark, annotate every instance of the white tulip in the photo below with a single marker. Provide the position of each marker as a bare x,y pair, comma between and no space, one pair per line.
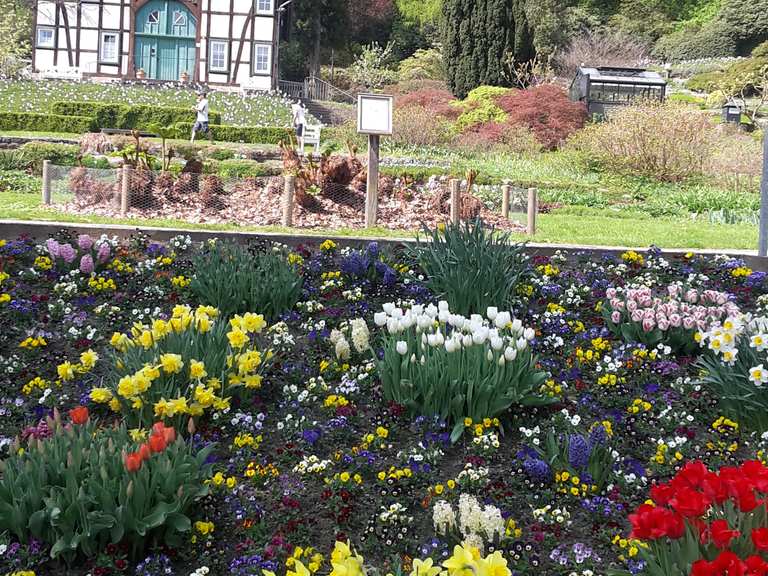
489,356
424,339
442,305
430,310
417,309
392,325
501,361
466,340
439,338
432,340
529,333
497,343
502,319
380,319
510,354
443,315
397,313
517,325
388,308
492,312
480,335
450,346
413,358
521,344
402,347
423,360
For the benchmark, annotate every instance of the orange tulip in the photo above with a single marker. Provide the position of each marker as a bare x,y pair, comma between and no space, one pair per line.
144,452
133,462
157,442
79,415
169,434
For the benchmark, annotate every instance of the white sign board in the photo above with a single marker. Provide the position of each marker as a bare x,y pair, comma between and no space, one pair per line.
374,114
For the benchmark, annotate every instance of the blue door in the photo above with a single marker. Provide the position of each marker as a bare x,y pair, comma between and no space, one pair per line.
165,40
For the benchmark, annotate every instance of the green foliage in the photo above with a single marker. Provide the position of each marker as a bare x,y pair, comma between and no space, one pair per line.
710,40
371,67
760,51
236,280
471,265
421,11
479,37
686,98
425,64
126,117
73,492
18,181
34,122
438,364
34,153
746,21
245,134
15,29
235,168
479,107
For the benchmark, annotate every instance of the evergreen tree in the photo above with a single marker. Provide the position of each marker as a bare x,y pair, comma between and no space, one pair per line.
479,37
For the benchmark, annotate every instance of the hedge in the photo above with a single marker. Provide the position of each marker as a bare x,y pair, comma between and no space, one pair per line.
128,117
33,154
245,134
35,122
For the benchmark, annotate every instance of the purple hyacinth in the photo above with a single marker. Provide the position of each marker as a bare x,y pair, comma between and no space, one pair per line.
103,254
67,252
84,242
537,470
578,451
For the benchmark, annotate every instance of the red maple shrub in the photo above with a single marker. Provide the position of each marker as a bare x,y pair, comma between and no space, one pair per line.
436,101
546,111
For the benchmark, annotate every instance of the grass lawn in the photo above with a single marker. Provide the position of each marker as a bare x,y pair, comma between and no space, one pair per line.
600,228
235,108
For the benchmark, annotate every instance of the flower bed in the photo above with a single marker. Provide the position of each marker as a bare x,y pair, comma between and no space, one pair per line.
204,409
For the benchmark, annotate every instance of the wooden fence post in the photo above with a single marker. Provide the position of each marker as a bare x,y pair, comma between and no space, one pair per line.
125,195
372,188
288,189
506,190
533,208
455,187
47,182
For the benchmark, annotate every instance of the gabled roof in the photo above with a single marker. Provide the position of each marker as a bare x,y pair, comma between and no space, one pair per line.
621,75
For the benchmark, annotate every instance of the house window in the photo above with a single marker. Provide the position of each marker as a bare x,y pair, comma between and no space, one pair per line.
44,37
108,50
262,58
179,18
218,56
263,6
154,17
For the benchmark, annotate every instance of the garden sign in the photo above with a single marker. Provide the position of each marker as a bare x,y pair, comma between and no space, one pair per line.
374,118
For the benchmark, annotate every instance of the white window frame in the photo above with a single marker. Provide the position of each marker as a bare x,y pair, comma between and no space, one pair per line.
269,11
225,66
155,13
254,70
114,59
52,43
179,18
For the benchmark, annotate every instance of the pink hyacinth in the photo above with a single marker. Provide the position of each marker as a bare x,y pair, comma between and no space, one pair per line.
84,241
86,264
53,248
103,254
67,253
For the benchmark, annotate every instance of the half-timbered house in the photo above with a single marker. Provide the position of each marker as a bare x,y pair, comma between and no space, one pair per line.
217,42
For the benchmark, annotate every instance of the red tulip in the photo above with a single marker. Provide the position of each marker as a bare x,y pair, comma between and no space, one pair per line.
133,462
79,415
158,427
757,566
719,533
661,493
760,539
689,503
144,452
653,522
157,442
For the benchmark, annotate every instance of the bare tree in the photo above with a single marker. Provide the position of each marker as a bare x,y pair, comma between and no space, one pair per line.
601,47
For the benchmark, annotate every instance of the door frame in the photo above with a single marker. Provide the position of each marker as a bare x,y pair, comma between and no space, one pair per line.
195,8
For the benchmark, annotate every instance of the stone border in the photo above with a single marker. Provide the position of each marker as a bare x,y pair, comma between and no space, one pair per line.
43,229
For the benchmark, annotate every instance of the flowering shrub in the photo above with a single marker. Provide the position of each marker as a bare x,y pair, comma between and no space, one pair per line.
440,363
671,319
702,523
734,367
77,490
186,365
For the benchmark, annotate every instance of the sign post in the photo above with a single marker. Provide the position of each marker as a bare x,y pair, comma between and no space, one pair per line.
762,248
374,118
